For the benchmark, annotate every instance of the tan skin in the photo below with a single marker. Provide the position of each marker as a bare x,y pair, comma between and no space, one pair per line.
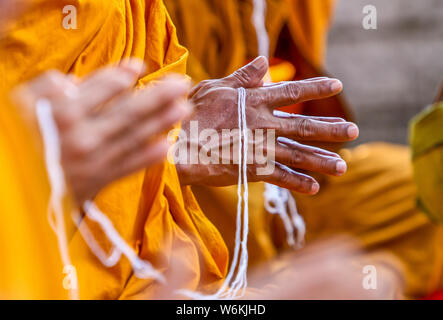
216,108
106,130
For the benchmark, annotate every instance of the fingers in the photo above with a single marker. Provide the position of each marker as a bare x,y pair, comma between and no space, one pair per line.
50,85
296,155
107,83
293,92
124,147
307,148
132,110
285,115
287,178
307,129
249,76
146,157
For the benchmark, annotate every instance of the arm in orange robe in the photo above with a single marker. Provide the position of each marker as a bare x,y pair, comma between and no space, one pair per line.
149,209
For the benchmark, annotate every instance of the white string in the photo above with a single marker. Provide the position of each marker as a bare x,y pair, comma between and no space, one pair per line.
235,288
51,141
277,200
259,21
142,268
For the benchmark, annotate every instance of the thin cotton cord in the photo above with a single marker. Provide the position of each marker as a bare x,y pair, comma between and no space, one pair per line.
259,20
51,143
277,199
142,269
233,289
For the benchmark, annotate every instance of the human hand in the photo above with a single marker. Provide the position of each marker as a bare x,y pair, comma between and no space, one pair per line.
107,130
216,108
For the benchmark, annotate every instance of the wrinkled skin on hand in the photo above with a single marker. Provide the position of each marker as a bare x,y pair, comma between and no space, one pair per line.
107,130
216,108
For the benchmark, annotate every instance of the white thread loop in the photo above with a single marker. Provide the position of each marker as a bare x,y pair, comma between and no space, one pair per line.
142,269
278,201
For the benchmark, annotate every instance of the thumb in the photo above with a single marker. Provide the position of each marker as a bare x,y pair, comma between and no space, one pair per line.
250,76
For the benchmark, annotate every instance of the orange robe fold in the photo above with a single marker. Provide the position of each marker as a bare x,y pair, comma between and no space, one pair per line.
30,265
149,209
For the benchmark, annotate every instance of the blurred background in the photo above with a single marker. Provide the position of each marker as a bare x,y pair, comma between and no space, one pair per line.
391,73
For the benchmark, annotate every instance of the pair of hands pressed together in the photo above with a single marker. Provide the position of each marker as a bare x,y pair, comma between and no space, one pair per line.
108,131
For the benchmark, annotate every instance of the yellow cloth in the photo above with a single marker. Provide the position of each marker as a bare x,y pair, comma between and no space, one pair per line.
149,209
427,147
223,37
30,265
375,201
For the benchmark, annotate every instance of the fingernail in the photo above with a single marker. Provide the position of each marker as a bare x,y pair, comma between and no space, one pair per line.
353,131
341,167
315,188
336,86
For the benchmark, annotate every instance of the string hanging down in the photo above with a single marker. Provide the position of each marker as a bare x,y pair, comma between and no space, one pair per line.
51,142
235,284
278,200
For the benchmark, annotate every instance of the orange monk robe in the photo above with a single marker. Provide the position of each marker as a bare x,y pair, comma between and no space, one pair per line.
221,41
375,201
149,209
30,265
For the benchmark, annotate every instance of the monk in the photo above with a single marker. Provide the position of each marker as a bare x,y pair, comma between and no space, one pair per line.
375,201
154,210
31,265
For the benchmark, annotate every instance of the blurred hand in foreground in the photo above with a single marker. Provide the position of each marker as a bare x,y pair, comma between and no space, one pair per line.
332,270
107,130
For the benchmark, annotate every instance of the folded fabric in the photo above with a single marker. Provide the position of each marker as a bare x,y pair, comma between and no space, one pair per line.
426,137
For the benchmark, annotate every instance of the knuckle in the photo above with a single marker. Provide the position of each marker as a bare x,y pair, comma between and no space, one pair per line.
117,83
296,158
285,177
82,147
206,83
305,128
305,184
242,76
326,164
336,131
294,91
